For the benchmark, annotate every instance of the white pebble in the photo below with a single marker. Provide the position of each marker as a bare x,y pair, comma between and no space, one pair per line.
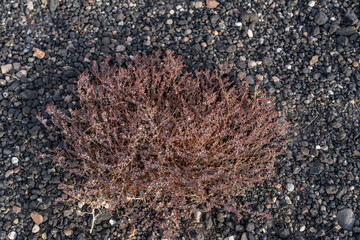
318,147
331,92
14,160
278,50
302,228
30,5
35,229
81,204
252,64
311,3
238,24
290,187
230,238
288,66
250,33
12,235
112,222
287,199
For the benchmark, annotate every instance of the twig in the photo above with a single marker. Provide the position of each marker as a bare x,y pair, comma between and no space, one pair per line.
93,219
311,122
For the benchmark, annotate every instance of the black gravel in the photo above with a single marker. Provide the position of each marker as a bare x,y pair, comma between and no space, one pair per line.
305,53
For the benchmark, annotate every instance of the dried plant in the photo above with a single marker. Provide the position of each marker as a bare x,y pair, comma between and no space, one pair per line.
161,143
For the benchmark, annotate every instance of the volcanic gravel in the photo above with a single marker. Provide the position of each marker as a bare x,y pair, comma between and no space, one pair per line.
305,53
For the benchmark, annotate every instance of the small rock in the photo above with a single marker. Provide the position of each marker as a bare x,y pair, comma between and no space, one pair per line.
302,228
321,18
275,79
243,236
197,216
53,4
211,4
230,49
6,68
12,235
62,52
37,217
331,190
68,232
284,233
198,4
68,99
336,125
305,151
105,41
346,31
209,223
314,60
38,53
343,40
251,64
290,187
350,18
288,200
250,227
316,168
22,73
14,160
112,222
30,5
230,238
35,229
16,209
311,3
17,66
67,213
28,95
169,21
120,48
346,218
8,173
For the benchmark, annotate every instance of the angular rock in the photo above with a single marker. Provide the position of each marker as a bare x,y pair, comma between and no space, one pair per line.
350,18
12,235
211,4
314,60
316,168
321,18
38,53
6,68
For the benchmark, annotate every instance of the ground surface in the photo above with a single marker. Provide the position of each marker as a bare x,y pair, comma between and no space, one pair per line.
306,53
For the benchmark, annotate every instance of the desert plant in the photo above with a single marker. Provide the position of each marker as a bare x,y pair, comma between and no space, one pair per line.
160,142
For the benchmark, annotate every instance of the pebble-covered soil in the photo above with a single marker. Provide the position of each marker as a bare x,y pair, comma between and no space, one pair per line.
306,54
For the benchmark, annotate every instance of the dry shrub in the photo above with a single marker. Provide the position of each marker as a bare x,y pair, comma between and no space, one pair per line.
161,143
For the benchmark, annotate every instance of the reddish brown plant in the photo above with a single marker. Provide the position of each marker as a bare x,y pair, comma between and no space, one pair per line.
160,142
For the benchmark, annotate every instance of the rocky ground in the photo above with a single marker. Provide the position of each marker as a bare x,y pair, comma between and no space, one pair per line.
305,53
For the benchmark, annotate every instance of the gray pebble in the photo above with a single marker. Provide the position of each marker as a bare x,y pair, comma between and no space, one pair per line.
346,218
